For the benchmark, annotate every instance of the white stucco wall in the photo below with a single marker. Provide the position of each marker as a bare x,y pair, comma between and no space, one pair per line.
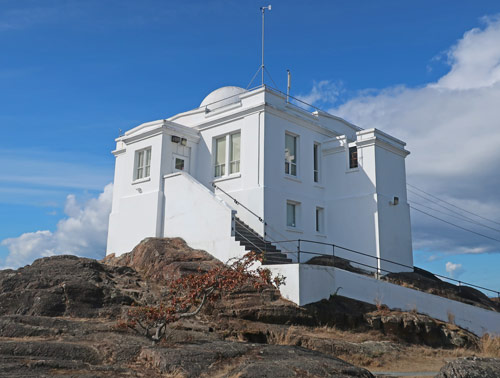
310,283
137,208
246,186
195,214
355,202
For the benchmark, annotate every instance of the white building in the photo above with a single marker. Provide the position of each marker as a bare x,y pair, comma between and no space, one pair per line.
295,175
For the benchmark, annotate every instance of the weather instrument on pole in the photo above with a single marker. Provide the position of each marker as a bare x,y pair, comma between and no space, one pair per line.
263,10
262,67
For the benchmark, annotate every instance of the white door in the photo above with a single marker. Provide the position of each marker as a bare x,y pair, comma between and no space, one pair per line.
180,163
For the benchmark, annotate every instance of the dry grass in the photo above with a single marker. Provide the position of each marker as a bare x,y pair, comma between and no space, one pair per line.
176,373
345,335
411,358
489,346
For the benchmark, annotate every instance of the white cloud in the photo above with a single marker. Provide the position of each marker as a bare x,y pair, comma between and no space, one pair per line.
454,270
474,59
323,92
452,127
82,233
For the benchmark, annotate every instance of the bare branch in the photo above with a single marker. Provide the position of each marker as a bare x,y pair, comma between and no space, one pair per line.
202,303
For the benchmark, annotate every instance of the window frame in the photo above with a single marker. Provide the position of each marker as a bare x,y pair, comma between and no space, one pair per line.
296,215
352,162
317,163
231,149
145,166
296,156
227,170
319,216
222,166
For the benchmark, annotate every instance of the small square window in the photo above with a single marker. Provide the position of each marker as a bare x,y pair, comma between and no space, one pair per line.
179,164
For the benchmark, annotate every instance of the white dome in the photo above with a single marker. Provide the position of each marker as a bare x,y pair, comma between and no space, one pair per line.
222,97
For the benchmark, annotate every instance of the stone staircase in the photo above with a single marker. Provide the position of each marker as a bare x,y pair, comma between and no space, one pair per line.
252,241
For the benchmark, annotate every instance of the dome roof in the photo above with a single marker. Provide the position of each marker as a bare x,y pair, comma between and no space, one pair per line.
222,97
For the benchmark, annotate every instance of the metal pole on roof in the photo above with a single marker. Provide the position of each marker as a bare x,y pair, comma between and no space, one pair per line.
263,9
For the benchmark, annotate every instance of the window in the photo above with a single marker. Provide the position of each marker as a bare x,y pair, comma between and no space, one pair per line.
319,220
316,162
230,157
353,157
234,153
290,155
291,214
142,163
220,156
179,164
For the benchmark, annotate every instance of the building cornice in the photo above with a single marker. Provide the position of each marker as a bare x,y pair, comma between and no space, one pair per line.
159,127
118,152
382,144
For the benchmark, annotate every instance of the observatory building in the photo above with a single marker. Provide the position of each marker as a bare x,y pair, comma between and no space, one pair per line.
252,170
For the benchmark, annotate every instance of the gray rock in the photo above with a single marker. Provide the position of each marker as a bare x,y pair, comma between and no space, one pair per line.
471,367
247,360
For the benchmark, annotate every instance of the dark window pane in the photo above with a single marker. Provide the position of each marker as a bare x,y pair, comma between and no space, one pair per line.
353,157
179,164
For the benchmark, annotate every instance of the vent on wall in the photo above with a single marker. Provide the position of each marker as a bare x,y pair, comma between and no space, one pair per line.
177,139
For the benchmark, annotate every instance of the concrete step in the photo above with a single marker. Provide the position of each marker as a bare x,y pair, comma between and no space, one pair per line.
251,240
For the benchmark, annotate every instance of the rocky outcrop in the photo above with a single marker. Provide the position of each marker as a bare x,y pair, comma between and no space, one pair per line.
69,286
420,329
164,259
58,316
231,359
423,280
471,367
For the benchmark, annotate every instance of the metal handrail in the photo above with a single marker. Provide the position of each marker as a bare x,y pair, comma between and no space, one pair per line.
249,241
239,203
300,250
460,283
255,215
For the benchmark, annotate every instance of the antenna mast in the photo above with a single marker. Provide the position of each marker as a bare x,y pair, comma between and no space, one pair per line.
262,67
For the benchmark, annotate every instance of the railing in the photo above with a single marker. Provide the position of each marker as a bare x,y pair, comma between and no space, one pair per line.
267,227
239,203
300,251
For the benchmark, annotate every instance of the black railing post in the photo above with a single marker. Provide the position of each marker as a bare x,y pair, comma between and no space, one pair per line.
298,251
378,268
333,253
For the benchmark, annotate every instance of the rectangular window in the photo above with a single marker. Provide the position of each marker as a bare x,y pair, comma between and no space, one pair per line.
220,156
142,163
291,214
353,157
290,155
316,162
319,220
234,153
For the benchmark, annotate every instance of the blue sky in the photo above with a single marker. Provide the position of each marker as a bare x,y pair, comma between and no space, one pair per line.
73,73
